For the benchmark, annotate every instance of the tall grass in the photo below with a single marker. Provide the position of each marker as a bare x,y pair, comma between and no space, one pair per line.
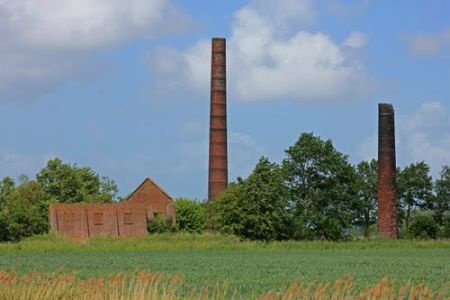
145,285
204,241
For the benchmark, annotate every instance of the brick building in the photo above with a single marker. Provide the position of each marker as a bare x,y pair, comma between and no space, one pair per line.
82,220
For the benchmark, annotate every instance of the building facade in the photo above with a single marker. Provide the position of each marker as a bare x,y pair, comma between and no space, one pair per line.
130,218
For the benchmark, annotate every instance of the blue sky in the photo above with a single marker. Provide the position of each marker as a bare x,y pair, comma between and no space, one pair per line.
123,86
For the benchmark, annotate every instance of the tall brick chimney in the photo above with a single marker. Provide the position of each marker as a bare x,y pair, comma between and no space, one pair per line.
387,191
218,158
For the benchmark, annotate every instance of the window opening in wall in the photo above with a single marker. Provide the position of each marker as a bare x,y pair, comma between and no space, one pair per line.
128,218
98,218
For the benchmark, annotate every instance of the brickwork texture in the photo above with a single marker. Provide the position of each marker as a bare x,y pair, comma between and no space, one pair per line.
387,191
130,218
218,156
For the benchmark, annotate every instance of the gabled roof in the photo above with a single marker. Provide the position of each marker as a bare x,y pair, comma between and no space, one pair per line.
152,182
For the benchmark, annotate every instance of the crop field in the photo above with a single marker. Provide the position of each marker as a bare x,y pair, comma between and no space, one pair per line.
247,268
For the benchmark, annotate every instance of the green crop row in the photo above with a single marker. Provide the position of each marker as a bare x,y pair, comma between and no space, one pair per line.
206,241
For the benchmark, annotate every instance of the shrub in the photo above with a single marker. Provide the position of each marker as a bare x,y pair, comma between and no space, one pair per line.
25,213
255,208
423,225
159,225
445,229
191,215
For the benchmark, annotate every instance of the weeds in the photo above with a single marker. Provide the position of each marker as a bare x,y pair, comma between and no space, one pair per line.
146,285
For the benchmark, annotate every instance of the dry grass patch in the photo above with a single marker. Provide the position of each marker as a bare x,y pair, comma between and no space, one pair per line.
146,285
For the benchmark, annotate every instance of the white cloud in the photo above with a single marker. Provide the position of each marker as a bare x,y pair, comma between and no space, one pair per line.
429,44
268,61
285,14
423,135
45,42
356,40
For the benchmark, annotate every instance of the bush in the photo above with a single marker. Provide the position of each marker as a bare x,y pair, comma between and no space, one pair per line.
159,225
226,212
445,229
25,213
423,225
254,208
191,215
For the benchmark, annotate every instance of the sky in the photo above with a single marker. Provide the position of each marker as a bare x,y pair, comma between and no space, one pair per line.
123,86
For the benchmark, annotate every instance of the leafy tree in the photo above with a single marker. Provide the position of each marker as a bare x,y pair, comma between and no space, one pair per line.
70,184
191,215
226,212
24,208
255,208
423,225
441,205
25,213
366,186
264,202
445,226
7,186
321,186
414,185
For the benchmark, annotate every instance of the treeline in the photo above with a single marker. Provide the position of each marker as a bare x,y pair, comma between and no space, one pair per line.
24,204
314,193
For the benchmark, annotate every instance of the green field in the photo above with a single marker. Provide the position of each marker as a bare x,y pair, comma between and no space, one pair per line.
249,267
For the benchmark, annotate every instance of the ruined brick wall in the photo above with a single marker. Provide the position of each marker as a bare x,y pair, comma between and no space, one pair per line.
87,220
131,219
102,219
83,220
69,219
156,201
218,156
387,191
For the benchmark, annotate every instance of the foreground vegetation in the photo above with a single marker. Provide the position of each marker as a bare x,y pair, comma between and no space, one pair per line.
249,268
145,285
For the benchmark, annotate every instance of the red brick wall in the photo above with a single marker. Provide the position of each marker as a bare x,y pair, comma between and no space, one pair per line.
86,220
102,219
70,219
132,220
115,219
156,201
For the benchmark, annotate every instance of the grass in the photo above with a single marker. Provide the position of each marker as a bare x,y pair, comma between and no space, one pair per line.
249,268
206,242
145,285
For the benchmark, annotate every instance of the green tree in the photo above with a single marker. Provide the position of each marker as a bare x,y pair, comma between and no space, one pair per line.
191,215
225,212
25,212
366,186
414,185
423,225
7,186
71,184
321,186
264,202
441,205
257,207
